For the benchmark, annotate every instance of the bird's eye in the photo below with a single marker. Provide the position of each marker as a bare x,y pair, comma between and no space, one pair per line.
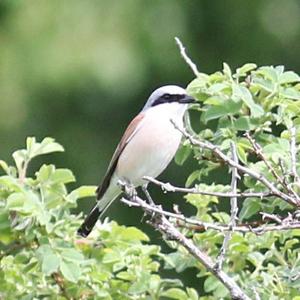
167,96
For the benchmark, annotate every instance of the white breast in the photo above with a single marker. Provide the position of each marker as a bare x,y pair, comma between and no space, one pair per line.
153,146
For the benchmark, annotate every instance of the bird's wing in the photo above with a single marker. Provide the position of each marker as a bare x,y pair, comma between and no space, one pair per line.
131,130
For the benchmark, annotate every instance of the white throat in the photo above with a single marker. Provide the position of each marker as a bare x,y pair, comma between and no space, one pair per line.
172,110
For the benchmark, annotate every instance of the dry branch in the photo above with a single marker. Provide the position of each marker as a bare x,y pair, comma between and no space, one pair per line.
233,209
258,176
189,62
168,187
162,224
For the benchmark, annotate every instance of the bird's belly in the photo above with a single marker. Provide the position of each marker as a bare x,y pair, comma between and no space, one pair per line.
149,152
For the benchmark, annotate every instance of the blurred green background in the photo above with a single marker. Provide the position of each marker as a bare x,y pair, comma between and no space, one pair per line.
79,71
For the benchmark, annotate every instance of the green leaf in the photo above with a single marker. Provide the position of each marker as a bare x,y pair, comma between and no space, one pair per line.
211,284
289,77
222,109
242,123
214,112
134,234
62,176
72,255
250,207
4,166
15,201
83,192
241,92
227,70
264,84
200,201
256,258
182,154
192,178
4,220
6,235
175,293
125,275
10,183
111,257
50,263
217,88
192,294
20,156
290,93
270,73
141,284
242,71
178,260
242,155
50,260
48,145
70,270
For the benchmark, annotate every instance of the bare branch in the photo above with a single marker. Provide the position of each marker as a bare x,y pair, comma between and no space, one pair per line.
257,297
283,171
190,63
233,209
258,151
168,187
22,171
167,228
199,225
293,150
243,169
271,217
161,223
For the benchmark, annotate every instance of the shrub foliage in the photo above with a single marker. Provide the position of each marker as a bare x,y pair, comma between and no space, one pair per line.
41,257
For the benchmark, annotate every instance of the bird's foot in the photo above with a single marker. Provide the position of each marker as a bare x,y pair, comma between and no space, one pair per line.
128,189
147,194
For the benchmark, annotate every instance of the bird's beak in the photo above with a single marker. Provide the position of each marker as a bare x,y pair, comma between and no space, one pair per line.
187,99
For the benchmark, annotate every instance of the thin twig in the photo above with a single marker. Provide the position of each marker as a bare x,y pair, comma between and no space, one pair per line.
11,248
199,225
190,63
168,187
256,294
258,151
60,282
293,150
271,217
233,209
22,172
283,171
243,169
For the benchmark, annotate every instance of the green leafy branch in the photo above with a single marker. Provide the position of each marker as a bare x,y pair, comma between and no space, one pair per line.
256,110
41,255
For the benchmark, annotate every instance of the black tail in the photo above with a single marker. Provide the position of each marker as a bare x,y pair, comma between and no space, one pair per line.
89,222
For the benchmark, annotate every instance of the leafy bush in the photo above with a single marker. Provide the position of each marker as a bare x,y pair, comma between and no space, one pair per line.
42,258
265,103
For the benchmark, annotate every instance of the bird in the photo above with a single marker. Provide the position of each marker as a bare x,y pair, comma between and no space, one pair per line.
147,147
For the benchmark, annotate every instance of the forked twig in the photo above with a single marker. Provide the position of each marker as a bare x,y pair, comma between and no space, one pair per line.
243,169
162,224
233,209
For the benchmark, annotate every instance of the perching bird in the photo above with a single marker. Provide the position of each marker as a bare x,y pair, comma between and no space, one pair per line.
146,148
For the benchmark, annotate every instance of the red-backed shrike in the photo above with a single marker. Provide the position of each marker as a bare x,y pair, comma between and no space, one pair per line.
146,148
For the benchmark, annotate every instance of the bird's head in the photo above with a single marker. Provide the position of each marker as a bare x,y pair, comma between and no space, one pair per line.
168,94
